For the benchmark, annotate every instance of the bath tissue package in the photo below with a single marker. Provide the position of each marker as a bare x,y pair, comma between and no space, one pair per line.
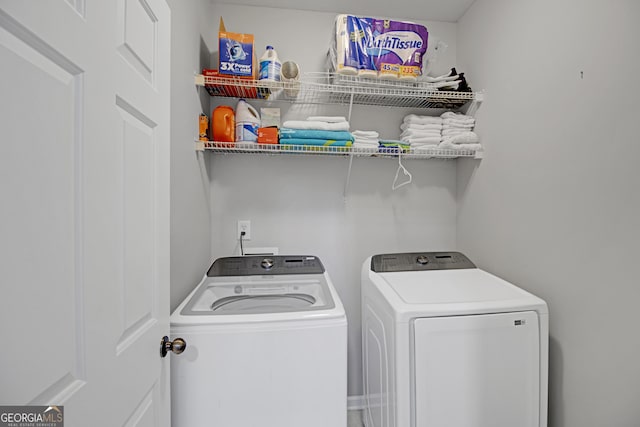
372,47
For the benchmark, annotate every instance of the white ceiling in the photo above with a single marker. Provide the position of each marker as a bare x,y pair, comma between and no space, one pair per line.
418,10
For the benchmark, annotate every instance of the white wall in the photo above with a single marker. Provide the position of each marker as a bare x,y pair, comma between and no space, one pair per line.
554,206
190,220
296,203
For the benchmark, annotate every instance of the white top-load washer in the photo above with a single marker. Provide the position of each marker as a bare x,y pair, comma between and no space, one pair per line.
266,345
447,344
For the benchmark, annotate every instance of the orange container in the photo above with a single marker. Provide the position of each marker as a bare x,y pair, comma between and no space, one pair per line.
268,135
223,123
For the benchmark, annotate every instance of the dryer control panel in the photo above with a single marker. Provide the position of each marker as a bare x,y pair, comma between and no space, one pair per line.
260,265
419,261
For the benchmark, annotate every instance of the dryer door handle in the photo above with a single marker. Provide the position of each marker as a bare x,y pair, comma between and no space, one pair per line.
177,346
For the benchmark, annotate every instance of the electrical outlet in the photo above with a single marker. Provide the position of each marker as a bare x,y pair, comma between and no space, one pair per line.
244,225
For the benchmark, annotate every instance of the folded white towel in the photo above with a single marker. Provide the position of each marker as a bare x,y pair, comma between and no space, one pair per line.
422,140
420,133
430,145
360,145
450,130
365,134
308,124
431,126
458,126
463,138
455,116
424,120
452,122
453,132
371,142
328,119
424,148
450,146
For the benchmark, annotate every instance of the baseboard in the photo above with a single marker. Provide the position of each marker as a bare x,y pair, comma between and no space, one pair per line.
355,403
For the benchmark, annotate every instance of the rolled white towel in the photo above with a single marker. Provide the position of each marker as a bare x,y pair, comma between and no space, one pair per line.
308,124
463,138
424,120
328,119
417,126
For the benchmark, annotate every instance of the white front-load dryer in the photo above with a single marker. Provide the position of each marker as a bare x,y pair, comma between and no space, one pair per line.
447,344
266,345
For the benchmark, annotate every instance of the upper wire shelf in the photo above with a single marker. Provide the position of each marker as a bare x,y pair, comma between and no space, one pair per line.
283,148
332,88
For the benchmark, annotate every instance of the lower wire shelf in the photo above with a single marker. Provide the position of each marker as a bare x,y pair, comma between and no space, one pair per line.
275,149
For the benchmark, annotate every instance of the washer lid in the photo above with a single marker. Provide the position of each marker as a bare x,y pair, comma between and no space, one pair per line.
229,295
460,286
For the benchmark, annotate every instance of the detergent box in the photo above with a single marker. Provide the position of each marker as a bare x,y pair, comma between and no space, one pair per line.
237,57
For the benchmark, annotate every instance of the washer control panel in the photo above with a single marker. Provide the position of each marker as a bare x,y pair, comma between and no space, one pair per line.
260,265
419,261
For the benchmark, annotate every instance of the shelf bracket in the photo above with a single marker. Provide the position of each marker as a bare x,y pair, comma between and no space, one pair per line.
350,107
472,109
348,178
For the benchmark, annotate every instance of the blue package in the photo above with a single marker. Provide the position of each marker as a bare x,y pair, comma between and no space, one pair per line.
236,54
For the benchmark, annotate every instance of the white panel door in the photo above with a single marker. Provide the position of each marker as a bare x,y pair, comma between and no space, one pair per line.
84,188
477,371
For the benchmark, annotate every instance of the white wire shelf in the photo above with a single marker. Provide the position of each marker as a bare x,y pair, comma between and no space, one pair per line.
276,149
331,88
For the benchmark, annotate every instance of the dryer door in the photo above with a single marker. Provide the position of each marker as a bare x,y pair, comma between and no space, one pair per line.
477,371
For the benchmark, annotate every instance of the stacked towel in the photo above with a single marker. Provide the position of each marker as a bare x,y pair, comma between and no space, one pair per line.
450,131
317,131
457,132
420,131
365,139
287,133
392,146
316,142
